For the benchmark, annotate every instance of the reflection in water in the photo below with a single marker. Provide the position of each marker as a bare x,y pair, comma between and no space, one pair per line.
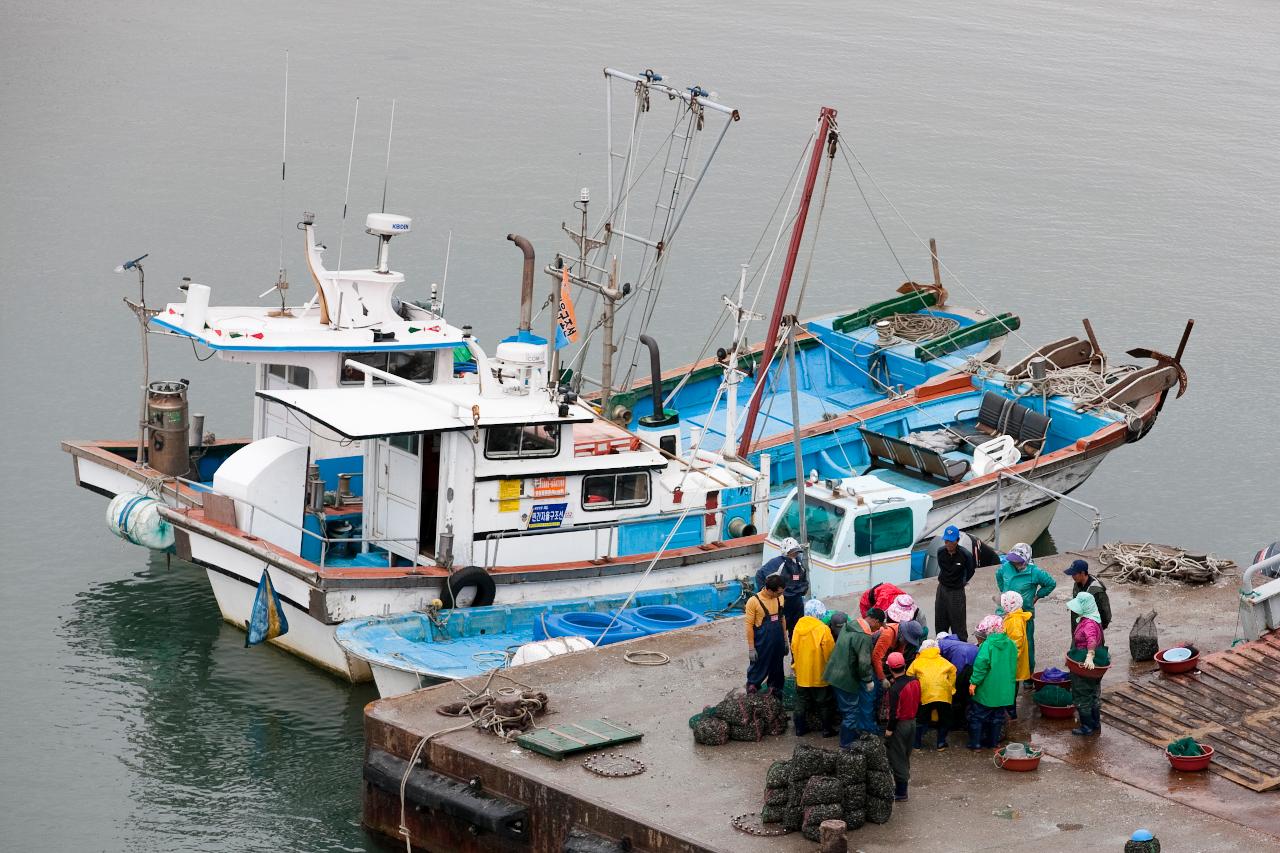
226,745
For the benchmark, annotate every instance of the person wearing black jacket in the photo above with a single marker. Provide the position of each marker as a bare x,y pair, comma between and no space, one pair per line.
1085,582
955,569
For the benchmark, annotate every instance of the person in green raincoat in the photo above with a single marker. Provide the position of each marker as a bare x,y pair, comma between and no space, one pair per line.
1018,574
852,679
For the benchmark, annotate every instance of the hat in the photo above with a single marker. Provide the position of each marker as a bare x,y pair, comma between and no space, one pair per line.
990,625
814,607
929,644
902,609
1078,567
951,534
1011,601
896,660
1020,553
790,546
912,633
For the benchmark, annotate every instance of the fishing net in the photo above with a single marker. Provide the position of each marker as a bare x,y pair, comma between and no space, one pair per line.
792,818
710,731
766,707
1143,641
789,693
854,797
778,774
772,814
1053,695
809,761
879,810
795,791
1185,746
820,790
734,710
815,815
776,797
1101,657
855,818
851,767
752,731
709,711
879,784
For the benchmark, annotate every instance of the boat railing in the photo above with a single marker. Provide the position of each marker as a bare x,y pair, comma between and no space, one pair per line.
325,541
609,528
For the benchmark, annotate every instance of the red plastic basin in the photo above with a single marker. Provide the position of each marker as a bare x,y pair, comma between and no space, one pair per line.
1057,712
1191,762
1018,765
1175,667
1078,669
1039,682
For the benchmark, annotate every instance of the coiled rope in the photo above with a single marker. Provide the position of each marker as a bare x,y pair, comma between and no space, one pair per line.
919,327
1132,562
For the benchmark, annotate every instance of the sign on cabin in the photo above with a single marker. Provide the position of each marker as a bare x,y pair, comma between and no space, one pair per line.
549,487
546,516
509,495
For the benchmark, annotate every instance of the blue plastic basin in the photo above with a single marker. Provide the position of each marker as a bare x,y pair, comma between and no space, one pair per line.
656,618
589,625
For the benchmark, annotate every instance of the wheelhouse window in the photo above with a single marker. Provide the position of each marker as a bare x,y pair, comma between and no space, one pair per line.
522,441
822,523
419,366
614,491
294,377
877,532
408,443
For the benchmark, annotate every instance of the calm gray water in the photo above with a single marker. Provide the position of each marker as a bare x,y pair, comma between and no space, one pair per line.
1116,160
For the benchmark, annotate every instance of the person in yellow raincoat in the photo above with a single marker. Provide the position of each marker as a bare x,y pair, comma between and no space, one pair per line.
811,645
1015,628
937,677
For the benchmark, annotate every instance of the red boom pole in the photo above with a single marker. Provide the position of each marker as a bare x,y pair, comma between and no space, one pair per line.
780,303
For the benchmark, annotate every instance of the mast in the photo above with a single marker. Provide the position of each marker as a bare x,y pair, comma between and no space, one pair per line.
825,119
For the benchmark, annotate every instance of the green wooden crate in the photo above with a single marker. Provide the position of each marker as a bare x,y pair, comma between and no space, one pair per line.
561,739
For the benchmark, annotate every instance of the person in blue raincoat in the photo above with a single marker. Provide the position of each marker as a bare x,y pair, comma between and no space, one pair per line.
1018,574
789,565
767,638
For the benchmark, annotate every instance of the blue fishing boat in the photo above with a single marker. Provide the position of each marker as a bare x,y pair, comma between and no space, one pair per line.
411,650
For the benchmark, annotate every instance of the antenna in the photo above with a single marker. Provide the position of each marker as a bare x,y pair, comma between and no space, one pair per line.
445,281
386,170
282,280
346,196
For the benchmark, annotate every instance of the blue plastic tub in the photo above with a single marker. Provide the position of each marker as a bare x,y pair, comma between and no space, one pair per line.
656,618
589,625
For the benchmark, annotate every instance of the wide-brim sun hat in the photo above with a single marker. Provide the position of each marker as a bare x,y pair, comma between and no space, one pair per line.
902,609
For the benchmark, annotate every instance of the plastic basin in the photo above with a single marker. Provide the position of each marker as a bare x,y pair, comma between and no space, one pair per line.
656,618
1018,765
1078,669
1039,682
1191,762
1057,712
1171,667
589,625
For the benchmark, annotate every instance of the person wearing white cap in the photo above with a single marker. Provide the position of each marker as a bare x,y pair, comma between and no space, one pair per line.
789,565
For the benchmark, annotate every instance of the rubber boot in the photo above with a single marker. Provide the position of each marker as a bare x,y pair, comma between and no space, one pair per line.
942,738
920,737
975,734
1085,727
900,791
1097,719
848,737
802,726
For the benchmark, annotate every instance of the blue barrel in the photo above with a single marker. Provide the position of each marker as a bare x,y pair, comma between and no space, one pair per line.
656,618
589,625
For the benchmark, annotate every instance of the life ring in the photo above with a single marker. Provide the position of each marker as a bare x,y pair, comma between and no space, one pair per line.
472,576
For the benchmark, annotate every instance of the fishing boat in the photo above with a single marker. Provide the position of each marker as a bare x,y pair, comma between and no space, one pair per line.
412,650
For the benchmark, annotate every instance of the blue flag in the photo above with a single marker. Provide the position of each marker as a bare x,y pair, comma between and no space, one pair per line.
266,620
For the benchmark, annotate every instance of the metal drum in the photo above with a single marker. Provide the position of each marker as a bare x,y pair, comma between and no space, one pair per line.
167,427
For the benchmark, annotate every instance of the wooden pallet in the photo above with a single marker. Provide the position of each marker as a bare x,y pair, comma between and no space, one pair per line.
563,739
1232,703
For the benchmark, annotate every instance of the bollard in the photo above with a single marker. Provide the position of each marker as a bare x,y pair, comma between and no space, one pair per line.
831,837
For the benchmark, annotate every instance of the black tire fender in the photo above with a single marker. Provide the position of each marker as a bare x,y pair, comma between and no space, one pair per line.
474,576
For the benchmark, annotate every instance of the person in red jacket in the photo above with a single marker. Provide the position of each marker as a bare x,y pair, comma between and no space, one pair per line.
881,595
903,701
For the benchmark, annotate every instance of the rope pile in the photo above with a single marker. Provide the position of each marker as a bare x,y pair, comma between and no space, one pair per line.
1083,384
1129,562
919,327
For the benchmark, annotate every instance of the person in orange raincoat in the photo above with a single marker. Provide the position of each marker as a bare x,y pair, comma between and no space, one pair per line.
811,645
1015,628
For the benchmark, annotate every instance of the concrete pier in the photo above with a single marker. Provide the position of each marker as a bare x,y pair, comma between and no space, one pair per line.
1088,792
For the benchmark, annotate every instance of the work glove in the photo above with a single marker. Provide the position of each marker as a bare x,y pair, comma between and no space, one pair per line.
1088,661
884,682
753,655
973,688
870,687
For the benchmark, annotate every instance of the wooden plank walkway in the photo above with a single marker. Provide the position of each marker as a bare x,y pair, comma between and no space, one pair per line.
1232,703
